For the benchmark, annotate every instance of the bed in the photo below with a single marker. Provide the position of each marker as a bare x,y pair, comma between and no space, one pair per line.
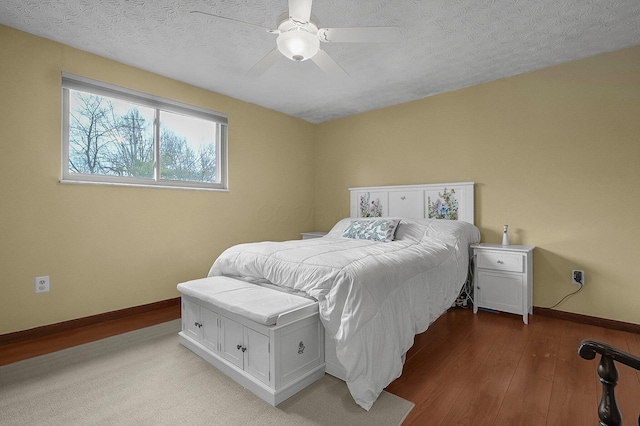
380,276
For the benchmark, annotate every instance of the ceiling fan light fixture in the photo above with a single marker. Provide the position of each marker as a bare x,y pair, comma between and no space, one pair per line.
298,44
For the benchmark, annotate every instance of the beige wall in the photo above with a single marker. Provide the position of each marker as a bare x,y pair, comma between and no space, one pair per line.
554,154
108,248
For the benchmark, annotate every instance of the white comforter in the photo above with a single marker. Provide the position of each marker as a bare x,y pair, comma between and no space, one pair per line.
373,296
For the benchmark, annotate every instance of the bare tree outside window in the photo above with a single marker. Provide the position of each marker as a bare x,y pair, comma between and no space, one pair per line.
187,147
112,137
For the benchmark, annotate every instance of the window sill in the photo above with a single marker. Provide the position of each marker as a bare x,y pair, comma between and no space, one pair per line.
142,185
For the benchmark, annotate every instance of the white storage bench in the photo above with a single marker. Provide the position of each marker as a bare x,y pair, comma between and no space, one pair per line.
270,342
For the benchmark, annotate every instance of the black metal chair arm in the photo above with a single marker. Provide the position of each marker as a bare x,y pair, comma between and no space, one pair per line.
589,348
608,411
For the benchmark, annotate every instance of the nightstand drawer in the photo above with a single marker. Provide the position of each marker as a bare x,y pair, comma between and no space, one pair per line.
500,261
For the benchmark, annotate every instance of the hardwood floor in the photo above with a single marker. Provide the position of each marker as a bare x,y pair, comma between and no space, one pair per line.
466,369
491,369
22,350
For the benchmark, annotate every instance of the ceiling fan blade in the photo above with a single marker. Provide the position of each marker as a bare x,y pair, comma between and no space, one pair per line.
265,63
360,35
270,30
327,64
300,10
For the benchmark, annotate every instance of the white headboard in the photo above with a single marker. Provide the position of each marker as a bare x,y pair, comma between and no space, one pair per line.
441,201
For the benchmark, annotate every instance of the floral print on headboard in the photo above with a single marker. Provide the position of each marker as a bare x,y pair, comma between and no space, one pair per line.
444,207
370,208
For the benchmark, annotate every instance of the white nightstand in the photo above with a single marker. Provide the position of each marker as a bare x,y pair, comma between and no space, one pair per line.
309,235
503,278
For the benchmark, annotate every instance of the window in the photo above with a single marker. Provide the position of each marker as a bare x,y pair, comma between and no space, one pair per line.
118,136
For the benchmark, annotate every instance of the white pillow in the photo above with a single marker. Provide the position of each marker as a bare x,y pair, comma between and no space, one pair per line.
372,229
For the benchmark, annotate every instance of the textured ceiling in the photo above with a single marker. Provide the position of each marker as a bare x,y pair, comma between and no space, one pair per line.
446,44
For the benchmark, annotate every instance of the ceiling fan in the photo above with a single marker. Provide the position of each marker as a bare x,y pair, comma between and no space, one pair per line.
299,38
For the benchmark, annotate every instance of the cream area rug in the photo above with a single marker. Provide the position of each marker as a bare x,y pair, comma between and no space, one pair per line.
146,378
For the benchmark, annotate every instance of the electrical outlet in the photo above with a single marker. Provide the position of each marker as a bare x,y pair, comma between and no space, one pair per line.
577,277
41,284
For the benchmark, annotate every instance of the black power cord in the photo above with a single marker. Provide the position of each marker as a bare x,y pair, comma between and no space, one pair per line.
465,297
570,294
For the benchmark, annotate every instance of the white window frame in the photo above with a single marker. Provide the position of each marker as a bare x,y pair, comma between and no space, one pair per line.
74,82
